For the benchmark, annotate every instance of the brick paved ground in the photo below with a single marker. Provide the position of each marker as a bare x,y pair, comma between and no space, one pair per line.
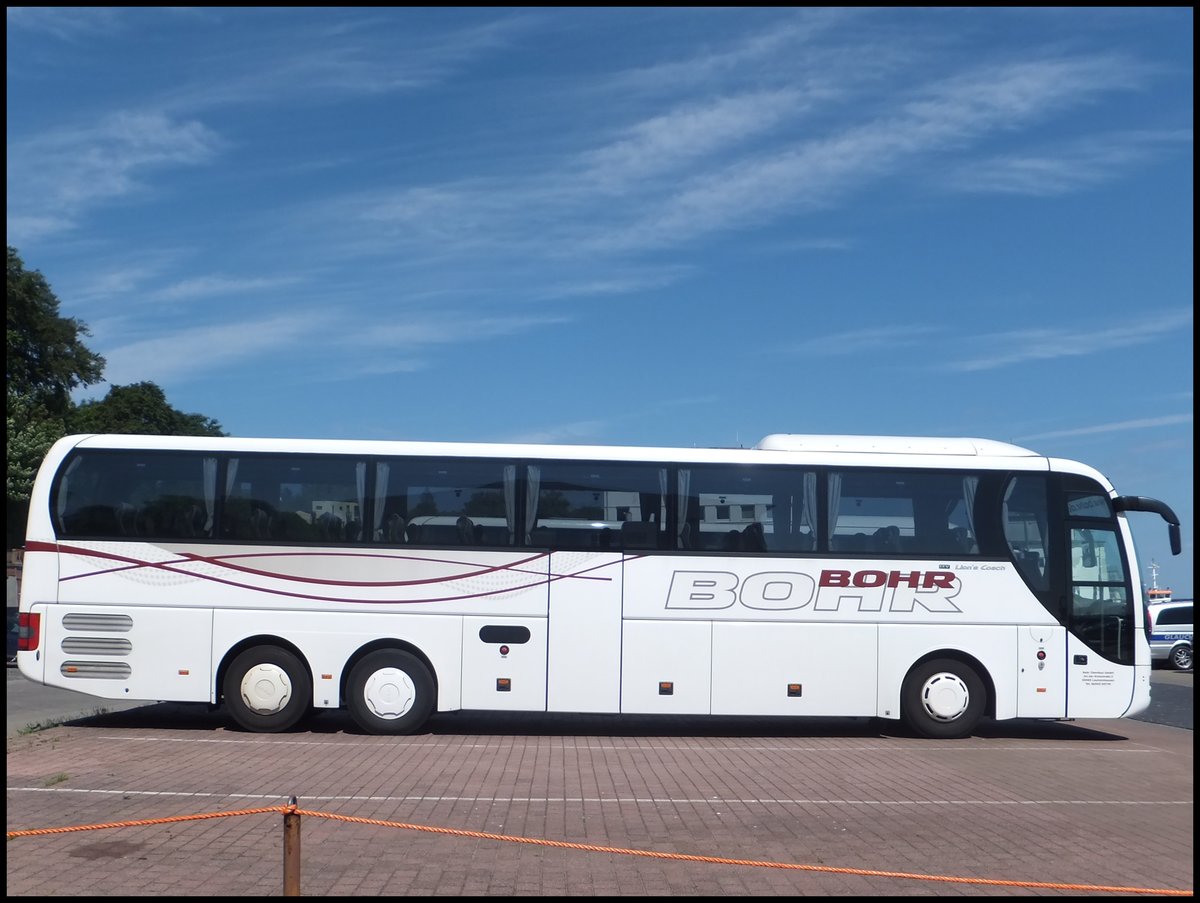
1106,803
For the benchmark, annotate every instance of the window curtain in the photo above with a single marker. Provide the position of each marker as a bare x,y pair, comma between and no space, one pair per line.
360,482
533,483
210,494
835,503
510,501
382,472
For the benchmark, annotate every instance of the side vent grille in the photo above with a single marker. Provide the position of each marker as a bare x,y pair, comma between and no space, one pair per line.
101,670
98,622
92,623
96,645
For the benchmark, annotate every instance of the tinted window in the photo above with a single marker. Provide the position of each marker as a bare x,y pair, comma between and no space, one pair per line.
1101,610
746,509
1025,527
902,513
294,498
448,502
136,495
596,506
1174,616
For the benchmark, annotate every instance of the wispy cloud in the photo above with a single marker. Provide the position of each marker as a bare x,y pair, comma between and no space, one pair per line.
66,23
355,56
171,356
945,116
1144,423
690,132
863,341
56,177
209,286
1008,348
1077,165
580,431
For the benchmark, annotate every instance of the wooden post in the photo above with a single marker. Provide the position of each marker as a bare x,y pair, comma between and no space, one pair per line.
291,851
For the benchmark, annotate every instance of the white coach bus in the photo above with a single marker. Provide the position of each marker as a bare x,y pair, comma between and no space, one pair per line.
939,581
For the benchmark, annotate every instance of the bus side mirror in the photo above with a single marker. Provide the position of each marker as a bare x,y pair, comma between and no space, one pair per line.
1176,544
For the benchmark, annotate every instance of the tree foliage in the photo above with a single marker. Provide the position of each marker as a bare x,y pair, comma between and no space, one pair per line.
139,408
45,354
46,358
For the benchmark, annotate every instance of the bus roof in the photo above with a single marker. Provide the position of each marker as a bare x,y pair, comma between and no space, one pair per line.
891,445
778,448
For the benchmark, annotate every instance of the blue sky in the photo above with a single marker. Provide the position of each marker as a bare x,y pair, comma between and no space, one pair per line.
629,226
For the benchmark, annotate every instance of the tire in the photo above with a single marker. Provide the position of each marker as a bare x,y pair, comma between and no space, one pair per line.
943,699
1181,657
267,689
390,692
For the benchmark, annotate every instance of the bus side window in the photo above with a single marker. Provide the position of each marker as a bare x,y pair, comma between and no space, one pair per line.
1025,519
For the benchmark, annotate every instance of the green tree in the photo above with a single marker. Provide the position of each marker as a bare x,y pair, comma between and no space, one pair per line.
139,408
45,358
45,354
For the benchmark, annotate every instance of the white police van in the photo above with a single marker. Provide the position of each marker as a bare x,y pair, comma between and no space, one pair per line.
1170,626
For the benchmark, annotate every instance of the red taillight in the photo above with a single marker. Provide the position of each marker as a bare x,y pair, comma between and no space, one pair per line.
29,631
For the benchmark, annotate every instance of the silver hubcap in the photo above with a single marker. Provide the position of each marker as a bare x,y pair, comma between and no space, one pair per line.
945,696
266,689
389,693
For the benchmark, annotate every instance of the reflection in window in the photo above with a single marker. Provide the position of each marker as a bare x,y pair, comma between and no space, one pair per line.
1101,610
746,509
603,505
449,502
294,498
1025,520
900,512
137,496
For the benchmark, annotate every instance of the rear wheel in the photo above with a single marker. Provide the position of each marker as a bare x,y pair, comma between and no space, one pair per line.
1181,658
390,692
943,699
267,689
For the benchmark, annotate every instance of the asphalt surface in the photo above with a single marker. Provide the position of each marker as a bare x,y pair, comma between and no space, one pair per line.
550,805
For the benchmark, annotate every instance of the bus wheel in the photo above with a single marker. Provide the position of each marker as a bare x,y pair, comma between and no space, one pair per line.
943,699
390,692
267,689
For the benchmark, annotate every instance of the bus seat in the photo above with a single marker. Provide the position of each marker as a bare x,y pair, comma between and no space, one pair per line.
393,530
754,538
685,536
637,534
887,540
329,527
260,523
126,519
733,541
466,531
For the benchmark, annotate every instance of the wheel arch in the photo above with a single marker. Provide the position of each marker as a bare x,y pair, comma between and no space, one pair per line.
384,643
958,655
250,642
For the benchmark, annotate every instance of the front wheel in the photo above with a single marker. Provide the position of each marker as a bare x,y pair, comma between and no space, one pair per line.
943,699
267,689
390,692
1181,658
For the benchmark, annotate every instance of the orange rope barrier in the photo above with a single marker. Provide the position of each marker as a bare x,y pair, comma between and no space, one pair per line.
595,848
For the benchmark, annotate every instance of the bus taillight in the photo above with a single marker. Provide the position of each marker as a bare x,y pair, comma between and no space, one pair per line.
29,630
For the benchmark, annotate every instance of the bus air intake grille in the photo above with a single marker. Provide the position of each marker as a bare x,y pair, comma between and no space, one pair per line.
96,645
95,622
96,670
